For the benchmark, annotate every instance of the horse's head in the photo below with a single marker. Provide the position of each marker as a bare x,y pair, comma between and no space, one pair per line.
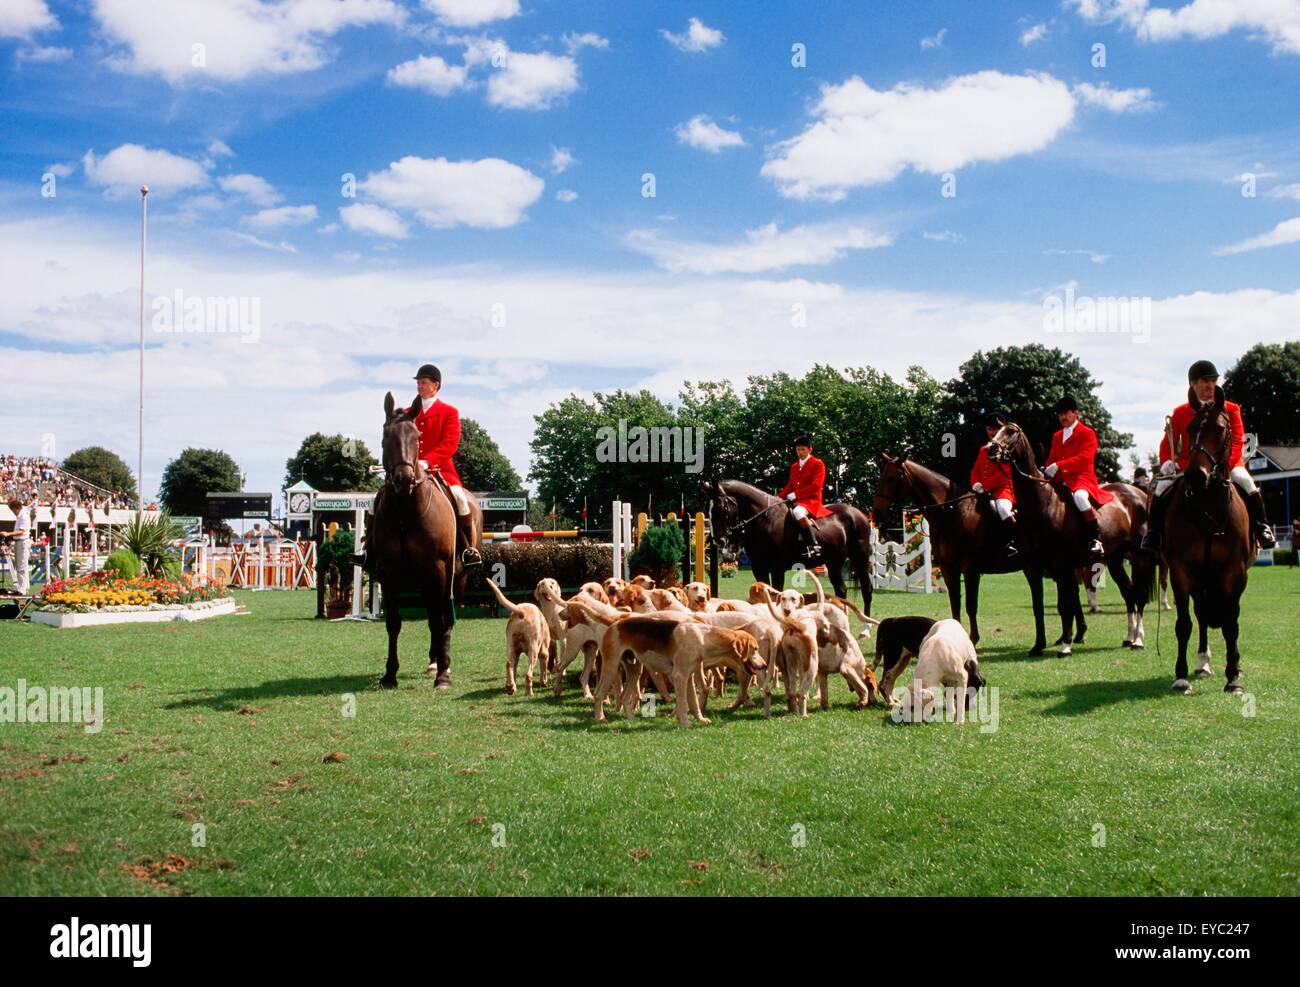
894,485
723,510
1211,434
401,447
1011,445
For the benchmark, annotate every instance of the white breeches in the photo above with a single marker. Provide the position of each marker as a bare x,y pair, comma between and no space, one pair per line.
1082,500
462,501
800,512
1244,481
1003,507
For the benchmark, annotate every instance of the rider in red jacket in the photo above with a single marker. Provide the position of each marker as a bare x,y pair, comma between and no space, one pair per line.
1071,462
439,425
1203,378
803,491
994,481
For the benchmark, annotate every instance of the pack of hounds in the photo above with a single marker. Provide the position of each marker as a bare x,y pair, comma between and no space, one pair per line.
683,641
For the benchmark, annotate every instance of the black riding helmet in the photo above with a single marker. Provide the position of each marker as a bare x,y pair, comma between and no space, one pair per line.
430,371
1201,368
1067,403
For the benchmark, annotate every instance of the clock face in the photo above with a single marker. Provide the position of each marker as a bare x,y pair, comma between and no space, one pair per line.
300,503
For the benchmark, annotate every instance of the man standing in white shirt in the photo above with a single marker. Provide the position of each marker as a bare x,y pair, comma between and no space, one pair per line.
21,537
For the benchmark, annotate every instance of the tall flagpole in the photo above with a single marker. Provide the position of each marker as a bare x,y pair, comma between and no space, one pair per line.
144,224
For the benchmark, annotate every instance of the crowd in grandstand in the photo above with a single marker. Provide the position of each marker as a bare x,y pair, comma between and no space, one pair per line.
40,482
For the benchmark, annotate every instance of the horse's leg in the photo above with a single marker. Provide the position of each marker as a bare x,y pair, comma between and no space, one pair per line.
1079,622
1203,667
1183,628
835,569
393,623
973,604
1066,587
952,579
1232,670
1034,577
1115,567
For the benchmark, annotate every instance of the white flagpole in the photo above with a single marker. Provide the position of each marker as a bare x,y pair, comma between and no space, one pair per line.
144,223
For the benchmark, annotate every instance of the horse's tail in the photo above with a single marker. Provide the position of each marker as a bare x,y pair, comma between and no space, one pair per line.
501,597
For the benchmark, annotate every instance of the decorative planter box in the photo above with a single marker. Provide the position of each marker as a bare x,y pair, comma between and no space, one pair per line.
187,613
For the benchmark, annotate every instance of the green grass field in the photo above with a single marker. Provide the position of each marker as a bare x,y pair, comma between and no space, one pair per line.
227,725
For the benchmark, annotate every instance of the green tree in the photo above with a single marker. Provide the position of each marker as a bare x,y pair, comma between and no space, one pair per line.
332,463
191,476
481,463
101,467
1024,383
1265,382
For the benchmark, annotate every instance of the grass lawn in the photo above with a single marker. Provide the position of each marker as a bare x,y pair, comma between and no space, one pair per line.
227,723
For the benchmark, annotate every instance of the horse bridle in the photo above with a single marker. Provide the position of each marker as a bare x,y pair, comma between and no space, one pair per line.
1219,472
1015,465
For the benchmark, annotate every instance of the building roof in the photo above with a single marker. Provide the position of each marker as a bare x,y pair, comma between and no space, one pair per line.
302,486
1286,457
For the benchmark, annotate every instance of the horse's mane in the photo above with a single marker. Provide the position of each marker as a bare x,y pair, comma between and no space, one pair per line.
734,487
926,472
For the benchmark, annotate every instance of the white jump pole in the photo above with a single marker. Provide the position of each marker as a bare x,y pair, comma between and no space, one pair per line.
357,534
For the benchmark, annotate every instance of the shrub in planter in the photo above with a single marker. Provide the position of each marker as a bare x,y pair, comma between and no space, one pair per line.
123,563
659,554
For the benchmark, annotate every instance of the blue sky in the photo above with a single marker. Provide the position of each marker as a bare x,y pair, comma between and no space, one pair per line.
499,226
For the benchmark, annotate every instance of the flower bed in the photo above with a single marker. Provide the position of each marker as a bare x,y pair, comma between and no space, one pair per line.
105,592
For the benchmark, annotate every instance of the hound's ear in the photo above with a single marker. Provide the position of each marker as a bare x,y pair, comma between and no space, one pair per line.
389,405
1218,397
738,647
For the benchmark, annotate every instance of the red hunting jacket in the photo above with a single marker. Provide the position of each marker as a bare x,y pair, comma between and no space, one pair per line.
995,478
806,485
1074,461
439,438
1182,417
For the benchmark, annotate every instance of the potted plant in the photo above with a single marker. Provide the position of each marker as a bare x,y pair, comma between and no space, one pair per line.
336,554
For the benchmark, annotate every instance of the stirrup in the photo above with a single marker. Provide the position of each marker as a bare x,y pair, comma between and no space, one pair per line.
1096,549
1264,535
470,558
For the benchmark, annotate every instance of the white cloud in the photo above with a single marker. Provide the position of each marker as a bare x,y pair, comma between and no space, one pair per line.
488,194
60,170
1285,232
23,18
328,228
1115,100
1274,21
1284,191
240,38
574,43
42,56
1095,256
699,37
566,195
701,132
532,80
124,169
943,236
430,73
247,238
471,13
256,190
1032,34
274,219
562,159
865,136
934,42
362,217
217,148
763,249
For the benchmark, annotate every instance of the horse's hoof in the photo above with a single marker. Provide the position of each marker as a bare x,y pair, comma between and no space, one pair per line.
510,690
1079,639
1036,651
1138,646
1234,687
1065,652
1127,644
1203,673
1182,685
387,683
444,681
431,670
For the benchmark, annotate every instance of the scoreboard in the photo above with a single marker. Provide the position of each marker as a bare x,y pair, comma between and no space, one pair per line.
238,505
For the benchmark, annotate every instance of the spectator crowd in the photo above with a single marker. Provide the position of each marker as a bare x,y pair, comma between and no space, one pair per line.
40,482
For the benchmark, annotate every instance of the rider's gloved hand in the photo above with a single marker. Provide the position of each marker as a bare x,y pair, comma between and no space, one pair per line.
1167,467
1050,470
790,497
978,488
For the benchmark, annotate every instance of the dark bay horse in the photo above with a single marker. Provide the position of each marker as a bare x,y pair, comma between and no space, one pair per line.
769,532
412,536
1050,528
966,535
1208,544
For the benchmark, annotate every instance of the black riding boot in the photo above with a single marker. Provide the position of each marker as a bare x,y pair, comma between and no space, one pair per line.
469,555
808,536
1154,537
1092,530
1009,528
1263,530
